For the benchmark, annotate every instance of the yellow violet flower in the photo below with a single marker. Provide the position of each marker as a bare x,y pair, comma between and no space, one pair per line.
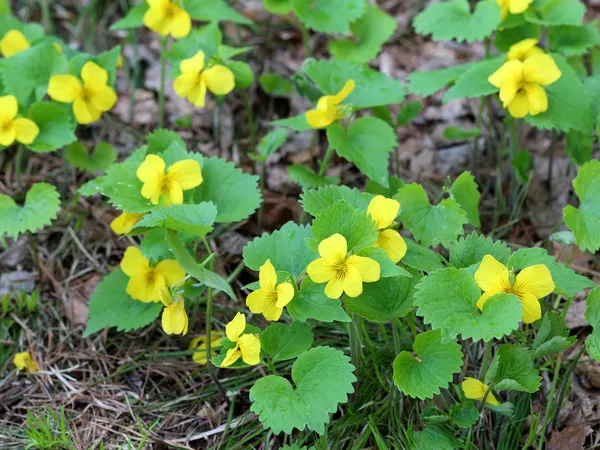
475,390
199,344
12,128
247,345
24,361
195,80
524,49
125,222
12,43
384,211
531,284
181,176
174,319
166,17
341,272
270,299
513,6
328,108
521,82
145,282
89,99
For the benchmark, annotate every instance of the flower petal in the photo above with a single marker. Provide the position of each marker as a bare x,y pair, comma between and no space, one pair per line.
508,91
473,388
273,312
185,83
368,269
144,288
174,194
26,130
134,262
250,348
8,135
267,276
233,354
383,211
85,112
541,69
321,270
155,18
193,65
344,92
197,95
257,301
174,318
519,107
235,327
186,173
171,270
9,107
320,119
219,79
24,361
511,71
492,275
518,6
393,244
520,49
151,170
537,99
536,280
12,43
104,98
93,75
285,294
353,282
334,288
532,310
334,246
123,223
484,298
64,88
181,22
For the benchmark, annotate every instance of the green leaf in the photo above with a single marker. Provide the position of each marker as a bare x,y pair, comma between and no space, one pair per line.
573,40
107,60
394,183
57,127
465,191
154,247
214,11
552,336
421,258
207,38
124,190
225,53
79,156
447,301
133,19
568,102
508,37
160,140
453,20
470,250
191,267
457,133
323,378
512,369
563,237
431,370
428,82
235,193
307,178
4,7
26,74
464,414
275,85
384,300
272,141
42,204
408,112
431,225
474,82
358,228
556,12
435,437
286,341
196,220
367,143
579,146
592,315
373,88
523,165
286,248
585,220
111,306
242,73
32,31
296,123
370,33
329,16
314,201
281,7
387,267
310,302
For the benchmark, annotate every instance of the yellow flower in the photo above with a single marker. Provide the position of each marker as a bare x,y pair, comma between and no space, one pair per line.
12,43
24,361
531,284
521,82
524,49
513,6
270,299
89,100
167,17
125,222
341,272
181,176
199,344
475,390
247,345
328,108
145,282
174,318
12,128
383,211
195,80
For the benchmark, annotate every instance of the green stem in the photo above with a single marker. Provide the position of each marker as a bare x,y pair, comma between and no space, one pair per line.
325,162
486,360
19,164
251,125
263,168
161,92
355,345
565,383
305,40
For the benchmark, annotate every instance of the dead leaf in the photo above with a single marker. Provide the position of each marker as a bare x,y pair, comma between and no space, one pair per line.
576,315
570,438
